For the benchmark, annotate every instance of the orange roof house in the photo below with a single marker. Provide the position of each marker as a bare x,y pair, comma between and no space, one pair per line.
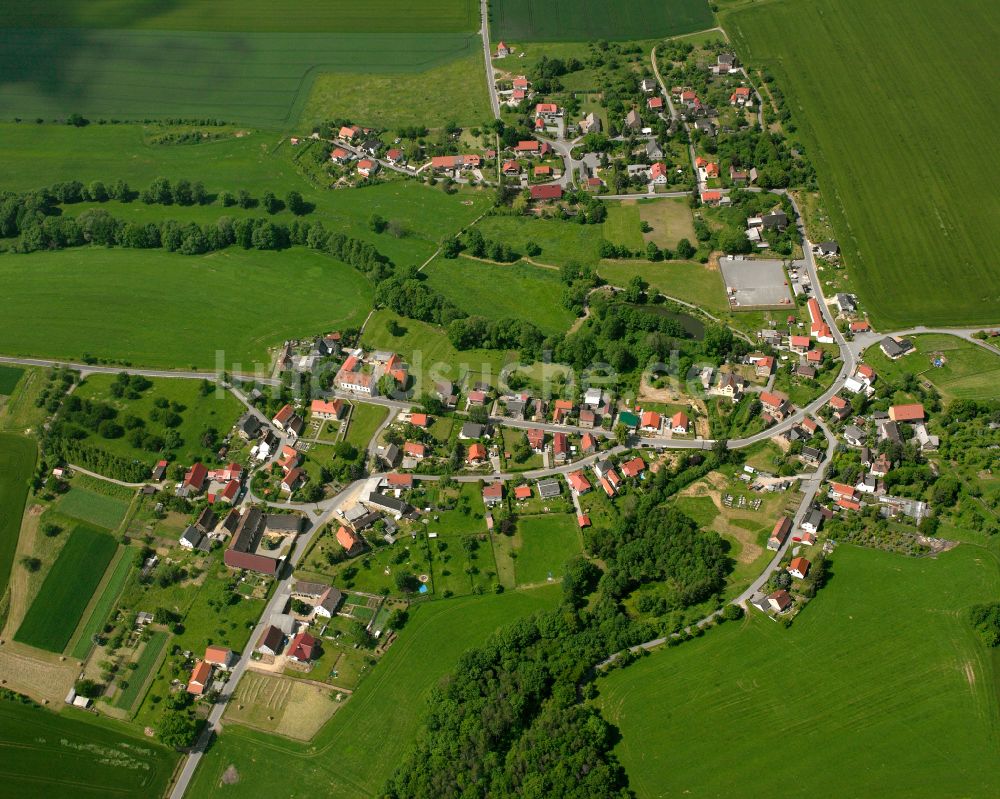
907,413
201,678
476,454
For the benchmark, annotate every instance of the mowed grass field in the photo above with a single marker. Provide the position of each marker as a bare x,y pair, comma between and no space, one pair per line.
452,92
582,20
543,545
967,372
889,98
518,291
157,308
148,659
90,506
881,672
64,755
686,280
66,592
17,463
249,15
387,707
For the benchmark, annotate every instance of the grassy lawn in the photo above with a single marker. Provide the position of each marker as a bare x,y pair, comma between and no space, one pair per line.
622,224
17,463
685,280
9,378
904,221
566,20
163,309
105,602
89,506
968,371
561,241
365,419
147,661
387,706
280,705
881,669
670,220
452,92
217,410
67,755
429,352
67,590
518,291
543,544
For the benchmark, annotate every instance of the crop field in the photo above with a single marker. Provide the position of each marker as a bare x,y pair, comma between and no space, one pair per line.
543,545
66,592
688,281
218,409
913,205
138,679
581,20
17,463
251,78
429,352
402,16
105,602
10,376
518,291
63,756
90,506
388,706
880,671
452,92
967,371
163,309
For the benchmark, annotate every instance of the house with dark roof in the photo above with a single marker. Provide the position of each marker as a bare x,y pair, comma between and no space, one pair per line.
389,504
271,641
242,550
547,489
895,348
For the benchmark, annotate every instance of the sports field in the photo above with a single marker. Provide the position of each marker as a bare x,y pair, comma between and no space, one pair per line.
452,92
517,291
385,711
66,592
582,20
17,462
895,120
543,545
163,309
102,607
880,672
401,16
63,755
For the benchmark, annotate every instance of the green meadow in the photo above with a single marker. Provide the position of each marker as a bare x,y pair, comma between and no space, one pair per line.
582,20
517,291
10,376
455,91
67,590
89,506
17,462
685,280
105,602
382,715
217,409
163,309
66,755
967,371
889,101
881,672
